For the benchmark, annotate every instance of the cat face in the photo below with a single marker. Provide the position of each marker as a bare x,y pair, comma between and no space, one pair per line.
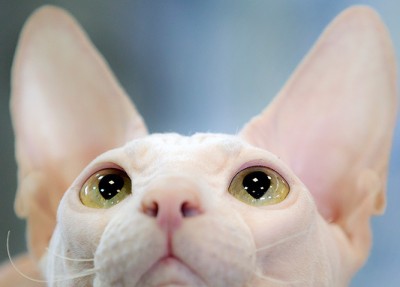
285,202
184,224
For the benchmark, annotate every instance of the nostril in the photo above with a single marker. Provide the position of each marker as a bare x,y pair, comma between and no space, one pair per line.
189,209
151,209
170,207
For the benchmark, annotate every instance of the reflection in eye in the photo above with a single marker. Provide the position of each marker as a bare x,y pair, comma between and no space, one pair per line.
105,188
258,186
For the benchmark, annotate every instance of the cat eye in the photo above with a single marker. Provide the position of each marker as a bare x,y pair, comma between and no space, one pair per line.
259,186
105,188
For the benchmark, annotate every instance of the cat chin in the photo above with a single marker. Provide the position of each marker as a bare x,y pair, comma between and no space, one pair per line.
169,272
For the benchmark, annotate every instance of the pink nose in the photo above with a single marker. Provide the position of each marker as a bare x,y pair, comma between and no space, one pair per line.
172,201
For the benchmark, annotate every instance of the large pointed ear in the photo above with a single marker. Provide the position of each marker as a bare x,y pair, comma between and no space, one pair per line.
333,121
67,108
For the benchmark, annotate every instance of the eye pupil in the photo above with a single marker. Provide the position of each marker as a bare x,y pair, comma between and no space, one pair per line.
110,185
256,184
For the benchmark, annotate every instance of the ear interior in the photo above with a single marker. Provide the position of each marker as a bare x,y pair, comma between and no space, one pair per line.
333,121
67,108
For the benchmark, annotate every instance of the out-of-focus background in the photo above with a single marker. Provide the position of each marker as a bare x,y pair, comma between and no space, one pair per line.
200,66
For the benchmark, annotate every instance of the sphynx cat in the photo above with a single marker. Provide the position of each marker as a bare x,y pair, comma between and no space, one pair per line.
286,202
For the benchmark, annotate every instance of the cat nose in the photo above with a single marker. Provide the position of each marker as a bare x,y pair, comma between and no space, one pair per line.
171,201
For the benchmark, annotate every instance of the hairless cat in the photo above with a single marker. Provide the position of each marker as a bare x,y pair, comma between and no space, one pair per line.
285,202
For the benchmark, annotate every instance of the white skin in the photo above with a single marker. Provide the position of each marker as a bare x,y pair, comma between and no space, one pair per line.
215,239
328,134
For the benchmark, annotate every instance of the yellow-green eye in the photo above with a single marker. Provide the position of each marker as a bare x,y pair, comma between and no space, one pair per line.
105,188
258,185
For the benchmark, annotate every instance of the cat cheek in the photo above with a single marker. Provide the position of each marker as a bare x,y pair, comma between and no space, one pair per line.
92,223
278,232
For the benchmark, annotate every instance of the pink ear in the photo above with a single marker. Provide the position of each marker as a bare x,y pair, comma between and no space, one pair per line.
333,121
67,108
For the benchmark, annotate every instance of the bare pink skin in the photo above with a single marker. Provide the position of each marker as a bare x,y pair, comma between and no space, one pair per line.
328,134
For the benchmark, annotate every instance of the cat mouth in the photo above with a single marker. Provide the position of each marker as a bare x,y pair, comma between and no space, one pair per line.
170,271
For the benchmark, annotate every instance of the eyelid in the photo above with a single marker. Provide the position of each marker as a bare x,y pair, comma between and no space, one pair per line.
281,169
91,169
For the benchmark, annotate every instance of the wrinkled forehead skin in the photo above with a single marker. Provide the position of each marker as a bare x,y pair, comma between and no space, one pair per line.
203,157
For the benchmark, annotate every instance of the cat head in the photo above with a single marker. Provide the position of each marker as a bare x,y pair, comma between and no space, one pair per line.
182,212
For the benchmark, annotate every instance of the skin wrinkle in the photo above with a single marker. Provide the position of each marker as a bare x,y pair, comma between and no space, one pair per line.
138,151
142,158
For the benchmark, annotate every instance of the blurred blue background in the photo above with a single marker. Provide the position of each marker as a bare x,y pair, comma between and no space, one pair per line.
200,66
